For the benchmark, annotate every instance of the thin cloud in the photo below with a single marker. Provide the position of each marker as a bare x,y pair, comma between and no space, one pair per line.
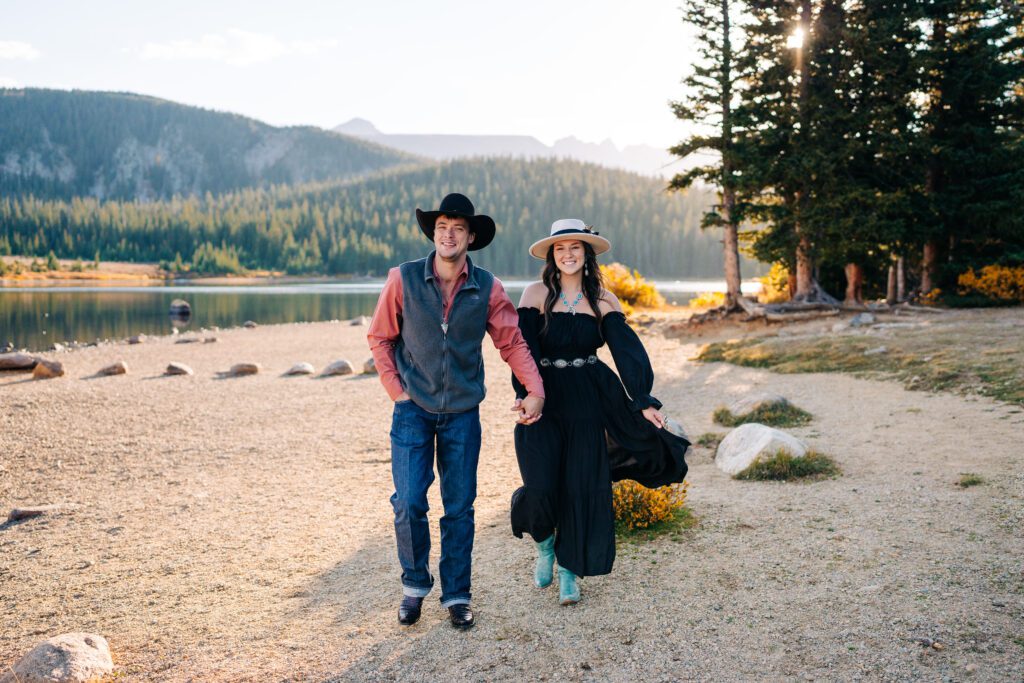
14,49
235,47
7,82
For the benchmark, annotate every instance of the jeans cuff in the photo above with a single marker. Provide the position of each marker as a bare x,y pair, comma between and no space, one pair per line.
413,592
454,601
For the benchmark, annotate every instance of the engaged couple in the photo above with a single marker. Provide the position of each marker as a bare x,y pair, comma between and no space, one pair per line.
579,427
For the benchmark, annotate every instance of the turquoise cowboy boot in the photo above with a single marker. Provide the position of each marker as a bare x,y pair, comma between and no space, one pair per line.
568,591
545,562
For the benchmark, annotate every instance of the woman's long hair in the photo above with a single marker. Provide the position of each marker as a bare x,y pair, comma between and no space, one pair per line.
592,284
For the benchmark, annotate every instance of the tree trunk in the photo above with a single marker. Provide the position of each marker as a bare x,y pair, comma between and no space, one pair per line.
854,285
890,286
732,251
730,243
901,280
804,269
928,259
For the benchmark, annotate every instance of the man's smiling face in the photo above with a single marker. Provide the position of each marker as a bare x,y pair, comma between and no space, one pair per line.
452,237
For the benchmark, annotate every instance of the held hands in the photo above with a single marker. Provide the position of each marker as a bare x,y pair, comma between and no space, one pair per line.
528,410
654,417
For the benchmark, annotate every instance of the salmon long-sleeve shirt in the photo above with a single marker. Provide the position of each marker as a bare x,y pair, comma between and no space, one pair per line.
502,326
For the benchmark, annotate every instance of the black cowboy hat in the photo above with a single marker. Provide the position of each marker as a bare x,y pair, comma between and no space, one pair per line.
459,205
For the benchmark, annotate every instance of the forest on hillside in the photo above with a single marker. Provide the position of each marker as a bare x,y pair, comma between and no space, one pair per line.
60,145
366,226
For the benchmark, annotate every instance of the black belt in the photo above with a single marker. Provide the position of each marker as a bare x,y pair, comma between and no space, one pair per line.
562,363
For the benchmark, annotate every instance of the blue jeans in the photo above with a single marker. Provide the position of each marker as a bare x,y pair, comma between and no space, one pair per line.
413,433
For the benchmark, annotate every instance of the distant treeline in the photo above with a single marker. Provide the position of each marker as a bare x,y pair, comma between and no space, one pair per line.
58,144
365,227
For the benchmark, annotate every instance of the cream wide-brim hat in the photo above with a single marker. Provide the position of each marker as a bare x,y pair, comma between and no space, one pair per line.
569,229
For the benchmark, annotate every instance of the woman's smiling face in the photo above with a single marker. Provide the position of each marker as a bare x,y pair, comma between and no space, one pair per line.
569,255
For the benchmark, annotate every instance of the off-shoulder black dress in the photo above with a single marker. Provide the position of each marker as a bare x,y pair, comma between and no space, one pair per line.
592,432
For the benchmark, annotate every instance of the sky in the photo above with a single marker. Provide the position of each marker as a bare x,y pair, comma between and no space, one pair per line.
594,69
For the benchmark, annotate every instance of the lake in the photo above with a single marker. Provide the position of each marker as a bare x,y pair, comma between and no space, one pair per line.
36,317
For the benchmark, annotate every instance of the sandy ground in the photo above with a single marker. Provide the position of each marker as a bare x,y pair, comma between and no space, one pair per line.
239,529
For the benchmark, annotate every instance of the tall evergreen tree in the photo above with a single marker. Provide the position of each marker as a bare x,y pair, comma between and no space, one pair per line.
711,99
973,128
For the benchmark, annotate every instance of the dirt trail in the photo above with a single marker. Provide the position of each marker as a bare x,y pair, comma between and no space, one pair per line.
239,529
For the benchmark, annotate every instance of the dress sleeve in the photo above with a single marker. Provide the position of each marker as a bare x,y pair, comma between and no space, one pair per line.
529,325
631,360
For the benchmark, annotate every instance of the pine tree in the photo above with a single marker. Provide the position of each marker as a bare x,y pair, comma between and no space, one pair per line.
709,104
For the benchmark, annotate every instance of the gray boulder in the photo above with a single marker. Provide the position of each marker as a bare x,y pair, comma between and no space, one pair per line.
862,319
361,320
137,339
301,369
744,445
118,368
67,658
751,402
47,369
241,369
249,324
338,367
178,369
370,367
17,361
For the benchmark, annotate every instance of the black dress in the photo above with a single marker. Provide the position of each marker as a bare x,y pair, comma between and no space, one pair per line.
591,433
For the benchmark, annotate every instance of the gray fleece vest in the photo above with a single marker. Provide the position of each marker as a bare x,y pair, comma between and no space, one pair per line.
440,361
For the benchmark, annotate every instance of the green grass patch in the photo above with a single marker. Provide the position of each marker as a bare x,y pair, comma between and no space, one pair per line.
783,467
969,479
710,440
681,519
969,357
771,414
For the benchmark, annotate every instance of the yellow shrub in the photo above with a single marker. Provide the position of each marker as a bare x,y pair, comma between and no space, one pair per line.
996,282
708,300
638,507
774,285
630,287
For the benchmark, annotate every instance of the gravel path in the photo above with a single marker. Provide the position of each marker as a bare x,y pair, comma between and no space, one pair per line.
239,530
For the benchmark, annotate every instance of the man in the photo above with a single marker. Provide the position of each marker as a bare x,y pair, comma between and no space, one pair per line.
426,337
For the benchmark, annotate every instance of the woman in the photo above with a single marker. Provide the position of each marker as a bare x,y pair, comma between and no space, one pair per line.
591,431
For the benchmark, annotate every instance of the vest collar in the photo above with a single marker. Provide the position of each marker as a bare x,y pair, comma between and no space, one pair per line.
470,270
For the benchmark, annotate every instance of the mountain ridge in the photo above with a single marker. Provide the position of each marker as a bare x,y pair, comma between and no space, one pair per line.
642,159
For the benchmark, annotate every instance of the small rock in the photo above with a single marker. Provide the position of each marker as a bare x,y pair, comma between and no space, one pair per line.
241,369
17,361
137,339
301,369
18,514
744,445
338,367
971,668
57,347
996,602
118,368
361,320
878,350
67,658
839,327
370,367
47,369
938,646
8,347
752,402
187,340
211,340
862,319
249,324
178,369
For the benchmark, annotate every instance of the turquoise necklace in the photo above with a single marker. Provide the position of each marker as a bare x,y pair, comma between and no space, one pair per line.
571,307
